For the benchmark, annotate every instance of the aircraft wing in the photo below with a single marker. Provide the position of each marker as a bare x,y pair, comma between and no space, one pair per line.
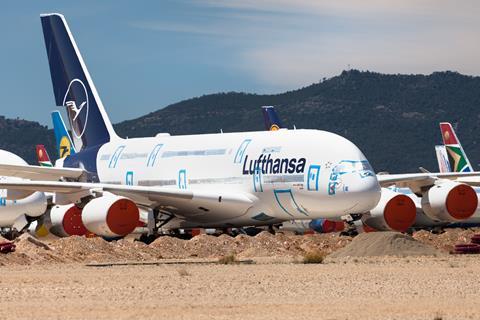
203,205
39,173
416,181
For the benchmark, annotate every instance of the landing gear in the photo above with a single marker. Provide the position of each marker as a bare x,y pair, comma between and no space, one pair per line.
354,225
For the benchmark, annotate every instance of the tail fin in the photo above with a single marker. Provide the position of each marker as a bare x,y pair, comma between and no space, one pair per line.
272,122
442,159
64,143
42,156
456,155
73,87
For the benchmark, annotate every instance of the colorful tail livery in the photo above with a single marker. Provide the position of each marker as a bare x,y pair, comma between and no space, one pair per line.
442,159
456,155
65,146
42,156
272,122
73,87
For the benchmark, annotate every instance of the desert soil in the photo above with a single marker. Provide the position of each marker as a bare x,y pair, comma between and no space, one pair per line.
54,281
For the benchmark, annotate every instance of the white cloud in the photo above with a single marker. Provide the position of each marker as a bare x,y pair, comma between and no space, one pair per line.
286,44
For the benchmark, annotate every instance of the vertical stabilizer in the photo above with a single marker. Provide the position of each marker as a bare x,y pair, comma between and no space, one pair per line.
456,155
442,159
42,156
63,141
270,116
73,87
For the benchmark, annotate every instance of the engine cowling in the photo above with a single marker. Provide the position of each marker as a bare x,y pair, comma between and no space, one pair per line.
450,201
67,221
326,226
110,216
394,212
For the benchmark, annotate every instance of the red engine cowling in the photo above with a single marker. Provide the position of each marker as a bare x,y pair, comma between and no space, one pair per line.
394,212
67,221
450,201
110,216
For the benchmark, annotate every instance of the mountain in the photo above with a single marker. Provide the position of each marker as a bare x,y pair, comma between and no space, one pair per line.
392,118
20,137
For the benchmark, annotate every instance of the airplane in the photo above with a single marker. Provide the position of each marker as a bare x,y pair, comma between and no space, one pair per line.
273,123
378,219
209,180
64,221
15,215
451,157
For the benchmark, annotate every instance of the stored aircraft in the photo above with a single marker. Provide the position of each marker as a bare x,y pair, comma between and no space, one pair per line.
210,180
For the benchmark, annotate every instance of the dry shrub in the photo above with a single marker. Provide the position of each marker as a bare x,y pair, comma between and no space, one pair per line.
313,257
228,259
183,272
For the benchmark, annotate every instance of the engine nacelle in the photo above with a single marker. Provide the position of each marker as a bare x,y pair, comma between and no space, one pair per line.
110,216
394,212
450,201
326,226
67,221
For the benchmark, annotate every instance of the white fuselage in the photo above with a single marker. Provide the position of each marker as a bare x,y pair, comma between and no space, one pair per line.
288,174
13,211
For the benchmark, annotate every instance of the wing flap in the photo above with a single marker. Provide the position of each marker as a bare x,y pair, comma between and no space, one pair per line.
201,206
39,173
425,179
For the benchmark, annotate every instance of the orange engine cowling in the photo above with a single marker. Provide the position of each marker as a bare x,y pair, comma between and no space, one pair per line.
450,201
110,216
394,212
67,221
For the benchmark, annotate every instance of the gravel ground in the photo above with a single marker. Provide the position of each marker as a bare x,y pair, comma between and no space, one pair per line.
363,288
51,280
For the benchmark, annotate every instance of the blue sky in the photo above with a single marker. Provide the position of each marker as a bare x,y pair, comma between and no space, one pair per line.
144,55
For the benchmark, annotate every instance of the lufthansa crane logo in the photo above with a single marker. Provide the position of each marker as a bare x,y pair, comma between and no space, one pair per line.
76,102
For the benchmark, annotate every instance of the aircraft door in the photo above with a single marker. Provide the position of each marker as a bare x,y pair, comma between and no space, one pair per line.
287,203
257,180
182,179
312,178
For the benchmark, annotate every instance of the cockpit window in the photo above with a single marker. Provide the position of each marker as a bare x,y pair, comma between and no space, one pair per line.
349,166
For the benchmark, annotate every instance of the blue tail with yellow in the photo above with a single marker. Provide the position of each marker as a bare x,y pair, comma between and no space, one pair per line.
272,121
64,143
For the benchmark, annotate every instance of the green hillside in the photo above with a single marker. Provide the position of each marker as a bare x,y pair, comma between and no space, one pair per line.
392,118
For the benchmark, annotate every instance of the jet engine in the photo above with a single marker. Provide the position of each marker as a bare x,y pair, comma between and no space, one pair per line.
67,221
394,212
110,216
326,226
450,201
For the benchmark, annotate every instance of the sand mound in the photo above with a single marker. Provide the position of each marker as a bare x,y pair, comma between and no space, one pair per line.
85,250
385,244
447,240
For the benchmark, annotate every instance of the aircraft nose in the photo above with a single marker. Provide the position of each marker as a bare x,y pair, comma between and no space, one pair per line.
366,192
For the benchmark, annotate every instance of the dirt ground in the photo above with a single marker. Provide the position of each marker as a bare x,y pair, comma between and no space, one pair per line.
381,288
52,280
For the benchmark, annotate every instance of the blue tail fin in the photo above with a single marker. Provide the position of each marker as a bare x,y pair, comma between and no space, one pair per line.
72,86
64,143
272,122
